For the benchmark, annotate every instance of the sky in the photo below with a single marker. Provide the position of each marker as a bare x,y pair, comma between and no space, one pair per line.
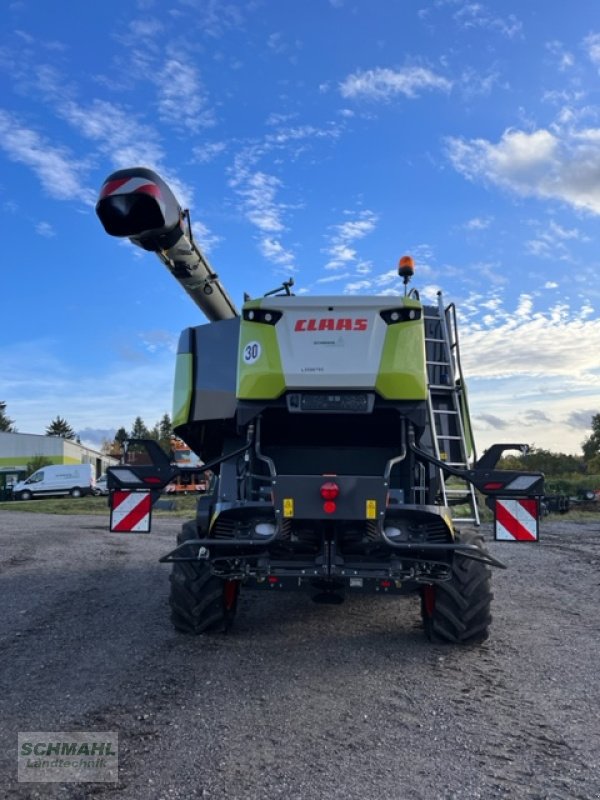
322,140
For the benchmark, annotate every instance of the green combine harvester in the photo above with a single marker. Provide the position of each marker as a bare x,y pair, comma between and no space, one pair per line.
338,431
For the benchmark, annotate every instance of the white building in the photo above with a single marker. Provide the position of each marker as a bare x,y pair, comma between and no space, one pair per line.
17,449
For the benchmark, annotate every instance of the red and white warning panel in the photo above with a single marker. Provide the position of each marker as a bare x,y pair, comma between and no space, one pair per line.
130,512
517,520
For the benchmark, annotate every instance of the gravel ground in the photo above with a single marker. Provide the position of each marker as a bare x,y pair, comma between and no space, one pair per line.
299,700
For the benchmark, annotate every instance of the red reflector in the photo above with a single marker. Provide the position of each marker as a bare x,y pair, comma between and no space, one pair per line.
329,506
150,479
329,490
493,486
273,579
385,584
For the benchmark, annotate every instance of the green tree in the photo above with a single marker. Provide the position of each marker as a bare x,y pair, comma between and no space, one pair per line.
6,424
551,464
593,465
591,445
60,427
121,435
139,429
37,462
165,431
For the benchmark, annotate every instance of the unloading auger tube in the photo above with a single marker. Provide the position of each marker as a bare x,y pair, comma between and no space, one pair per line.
137,204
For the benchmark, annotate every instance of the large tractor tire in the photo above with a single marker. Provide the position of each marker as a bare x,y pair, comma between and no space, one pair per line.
459,610
200,602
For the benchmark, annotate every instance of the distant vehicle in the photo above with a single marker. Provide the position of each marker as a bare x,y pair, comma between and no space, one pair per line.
56,480
192,478
101,486
186,484
556,504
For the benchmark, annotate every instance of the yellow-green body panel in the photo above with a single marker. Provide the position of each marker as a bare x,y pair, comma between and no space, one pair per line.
402,371
182,391
267,382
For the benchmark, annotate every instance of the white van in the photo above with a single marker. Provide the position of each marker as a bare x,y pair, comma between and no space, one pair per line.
57,479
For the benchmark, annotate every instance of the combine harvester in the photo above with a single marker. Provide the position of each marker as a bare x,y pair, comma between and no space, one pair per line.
339,432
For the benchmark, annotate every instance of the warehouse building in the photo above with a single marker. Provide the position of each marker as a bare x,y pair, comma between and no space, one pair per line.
17,449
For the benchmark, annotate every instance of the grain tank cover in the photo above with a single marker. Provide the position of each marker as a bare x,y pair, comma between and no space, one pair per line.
316,343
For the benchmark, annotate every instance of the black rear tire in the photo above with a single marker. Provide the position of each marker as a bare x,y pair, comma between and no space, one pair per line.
200,602
459,610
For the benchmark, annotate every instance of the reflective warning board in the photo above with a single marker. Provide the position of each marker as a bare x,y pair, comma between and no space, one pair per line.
130,512
517,520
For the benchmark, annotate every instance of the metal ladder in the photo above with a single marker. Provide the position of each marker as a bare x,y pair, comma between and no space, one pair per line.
450,425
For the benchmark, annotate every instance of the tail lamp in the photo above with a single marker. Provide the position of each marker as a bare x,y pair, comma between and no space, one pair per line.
329,492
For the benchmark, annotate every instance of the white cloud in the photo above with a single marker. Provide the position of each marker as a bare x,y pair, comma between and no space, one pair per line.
118,132
383,83
181,99
592,46
535,344
493,422
274,251
581,419
146,28
477,15
478,223
45,229
124,140
564,59
474,83
563,166
336,277
204,236
208,151
59,172
549,241
300,133
259,193
259,190
341,253
212,17
357,287
531,369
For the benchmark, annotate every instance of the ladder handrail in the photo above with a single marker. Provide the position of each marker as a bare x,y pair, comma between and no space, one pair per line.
454,392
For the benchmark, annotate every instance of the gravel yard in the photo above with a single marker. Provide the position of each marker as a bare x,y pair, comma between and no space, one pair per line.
299,700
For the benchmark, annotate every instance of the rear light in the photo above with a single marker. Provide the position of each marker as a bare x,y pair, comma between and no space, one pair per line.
329,506
151,479
330,490
493,486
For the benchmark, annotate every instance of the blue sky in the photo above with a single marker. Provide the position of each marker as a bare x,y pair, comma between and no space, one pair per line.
321,139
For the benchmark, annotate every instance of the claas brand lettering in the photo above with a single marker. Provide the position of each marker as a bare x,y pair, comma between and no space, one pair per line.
329,324
337,433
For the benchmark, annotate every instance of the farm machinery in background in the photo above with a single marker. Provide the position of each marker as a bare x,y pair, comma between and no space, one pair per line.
338,431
